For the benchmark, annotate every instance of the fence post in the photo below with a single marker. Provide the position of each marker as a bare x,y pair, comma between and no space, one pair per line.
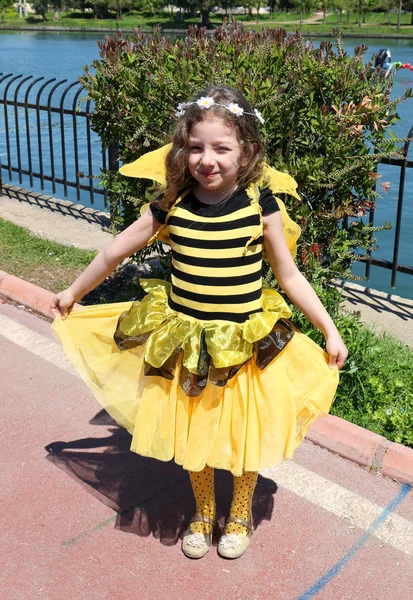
400,210
113,166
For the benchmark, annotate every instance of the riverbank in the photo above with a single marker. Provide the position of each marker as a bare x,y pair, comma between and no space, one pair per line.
106,30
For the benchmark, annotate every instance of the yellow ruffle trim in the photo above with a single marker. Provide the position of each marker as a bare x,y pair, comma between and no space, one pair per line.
228,343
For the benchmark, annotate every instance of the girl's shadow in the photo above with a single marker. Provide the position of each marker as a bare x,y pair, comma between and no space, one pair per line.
150,496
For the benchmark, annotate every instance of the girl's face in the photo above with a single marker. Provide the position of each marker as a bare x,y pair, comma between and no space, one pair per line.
214,155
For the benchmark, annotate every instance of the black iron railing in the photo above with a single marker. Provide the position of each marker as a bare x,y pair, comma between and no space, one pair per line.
393,264
47,136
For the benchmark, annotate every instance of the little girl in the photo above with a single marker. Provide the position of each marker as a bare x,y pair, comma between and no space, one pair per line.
208,370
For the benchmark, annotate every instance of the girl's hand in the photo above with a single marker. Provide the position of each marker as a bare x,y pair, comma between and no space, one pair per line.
337,352
62,303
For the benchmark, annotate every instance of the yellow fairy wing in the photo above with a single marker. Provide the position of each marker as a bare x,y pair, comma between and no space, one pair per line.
148,166
282,183
292,230
278,182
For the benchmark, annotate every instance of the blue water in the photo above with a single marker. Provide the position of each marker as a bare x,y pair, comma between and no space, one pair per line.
62,55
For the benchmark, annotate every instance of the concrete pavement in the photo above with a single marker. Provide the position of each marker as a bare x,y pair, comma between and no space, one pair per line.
87,519
58,220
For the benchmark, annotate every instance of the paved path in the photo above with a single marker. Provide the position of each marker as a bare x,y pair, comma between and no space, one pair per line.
58,220
88,519
384,312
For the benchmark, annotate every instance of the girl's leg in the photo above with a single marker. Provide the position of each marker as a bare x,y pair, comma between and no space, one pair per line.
244,487
203,487
236,537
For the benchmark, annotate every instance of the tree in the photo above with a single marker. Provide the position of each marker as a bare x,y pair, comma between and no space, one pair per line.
120,7
41,7
4,5
100,8
338,6
148,6
305,6
388,6
322,5
77,4
286,5
407,5
248,6
350,6
204,7
228,5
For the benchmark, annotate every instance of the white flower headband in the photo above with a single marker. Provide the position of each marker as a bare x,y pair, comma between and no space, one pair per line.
206,102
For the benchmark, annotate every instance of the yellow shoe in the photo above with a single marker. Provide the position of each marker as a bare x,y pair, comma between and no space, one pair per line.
196,545
233,545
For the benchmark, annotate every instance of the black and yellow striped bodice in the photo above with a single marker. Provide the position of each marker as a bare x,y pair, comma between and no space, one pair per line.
216,258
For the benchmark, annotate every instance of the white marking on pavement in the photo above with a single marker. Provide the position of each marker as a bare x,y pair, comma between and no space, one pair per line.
35,343
358,511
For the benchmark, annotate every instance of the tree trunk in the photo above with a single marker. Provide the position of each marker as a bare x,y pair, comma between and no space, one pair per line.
258,11
56,15
205,22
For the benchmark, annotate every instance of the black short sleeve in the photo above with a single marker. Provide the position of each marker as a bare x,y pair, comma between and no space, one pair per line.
268,202
158,212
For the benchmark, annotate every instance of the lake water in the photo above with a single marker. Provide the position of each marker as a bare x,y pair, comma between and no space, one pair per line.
62,55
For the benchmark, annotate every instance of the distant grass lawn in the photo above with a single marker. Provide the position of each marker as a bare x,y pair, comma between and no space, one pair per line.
43,262
374,22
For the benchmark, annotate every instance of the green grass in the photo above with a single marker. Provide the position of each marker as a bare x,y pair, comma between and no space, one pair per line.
41,261
376,389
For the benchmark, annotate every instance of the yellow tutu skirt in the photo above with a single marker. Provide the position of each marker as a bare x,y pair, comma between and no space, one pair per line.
254,421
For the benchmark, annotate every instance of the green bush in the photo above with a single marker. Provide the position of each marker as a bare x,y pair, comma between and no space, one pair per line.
325,116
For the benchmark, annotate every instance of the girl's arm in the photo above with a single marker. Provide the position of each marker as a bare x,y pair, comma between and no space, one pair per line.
298,289
123,245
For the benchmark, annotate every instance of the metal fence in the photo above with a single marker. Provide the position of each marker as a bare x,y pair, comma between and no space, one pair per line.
393,264
48,138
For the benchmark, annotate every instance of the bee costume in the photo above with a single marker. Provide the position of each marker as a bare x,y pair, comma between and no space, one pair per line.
206,370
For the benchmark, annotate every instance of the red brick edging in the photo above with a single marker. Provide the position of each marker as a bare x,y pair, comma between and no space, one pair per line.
337,435
26,293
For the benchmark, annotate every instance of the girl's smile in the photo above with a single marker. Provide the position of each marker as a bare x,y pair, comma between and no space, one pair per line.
214,158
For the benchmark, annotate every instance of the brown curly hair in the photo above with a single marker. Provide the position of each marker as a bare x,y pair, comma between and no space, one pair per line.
178,176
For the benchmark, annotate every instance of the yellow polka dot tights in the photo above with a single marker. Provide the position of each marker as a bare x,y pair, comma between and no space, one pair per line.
241,504
203,487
